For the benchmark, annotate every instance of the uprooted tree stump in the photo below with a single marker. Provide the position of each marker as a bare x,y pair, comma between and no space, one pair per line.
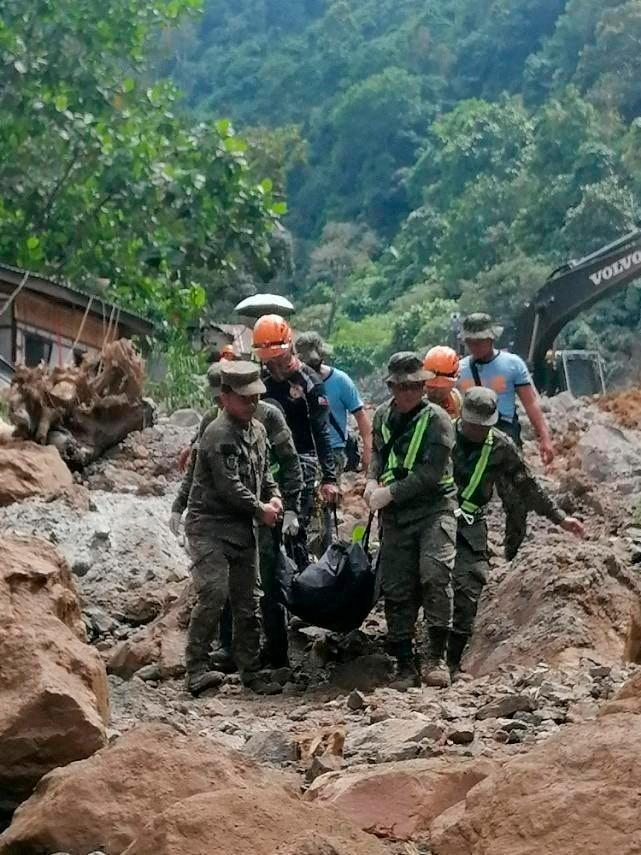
82,410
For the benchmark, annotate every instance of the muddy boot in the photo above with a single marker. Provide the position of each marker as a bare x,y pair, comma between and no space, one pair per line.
455,646
261,682
201,679
436,672
222,660
407,673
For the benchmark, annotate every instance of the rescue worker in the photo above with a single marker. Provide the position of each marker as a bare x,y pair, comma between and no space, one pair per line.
410,481
301,394
343,398
442,363
285,467
507,375
485,457
228,354
232,493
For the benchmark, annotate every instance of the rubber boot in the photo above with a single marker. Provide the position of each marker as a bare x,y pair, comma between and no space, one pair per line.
203,678
261,682
436,673
456,644
407,674
222,660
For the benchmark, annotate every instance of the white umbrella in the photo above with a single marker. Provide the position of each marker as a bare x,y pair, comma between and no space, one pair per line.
265,304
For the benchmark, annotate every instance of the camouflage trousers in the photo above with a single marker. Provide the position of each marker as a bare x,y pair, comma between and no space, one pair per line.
470,574
222,569
416,562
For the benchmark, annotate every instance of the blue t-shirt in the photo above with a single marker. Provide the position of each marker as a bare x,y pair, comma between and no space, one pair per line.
504,373
343,399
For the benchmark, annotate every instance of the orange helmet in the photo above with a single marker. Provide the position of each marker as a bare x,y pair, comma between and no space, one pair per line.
228,353
272,337
443,364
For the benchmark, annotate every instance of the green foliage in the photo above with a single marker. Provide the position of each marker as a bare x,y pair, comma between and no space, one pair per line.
102,179
184,383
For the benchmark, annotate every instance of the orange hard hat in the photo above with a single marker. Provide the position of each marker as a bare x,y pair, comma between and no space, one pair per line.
228,353
272,337
443,364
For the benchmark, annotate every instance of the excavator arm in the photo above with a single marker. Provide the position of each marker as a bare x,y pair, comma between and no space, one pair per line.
570,290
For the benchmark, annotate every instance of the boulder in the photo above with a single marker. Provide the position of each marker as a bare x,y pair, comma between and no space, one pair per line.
391,739
160,643
155,790
627,699
610,453
53,687
28,469
186,418
559,601
399,800
263,822
577,792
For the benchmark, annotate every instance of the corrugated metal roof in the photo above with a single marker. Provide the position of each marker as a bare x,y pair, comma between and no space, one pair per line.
39,284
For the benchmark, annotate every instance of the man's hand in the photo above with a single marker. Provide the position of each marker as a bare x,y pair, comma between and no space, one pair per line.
183,458
269,515
380,498
369,489
174,523
277,503
367,458
546,450
573,525
329,493
290,524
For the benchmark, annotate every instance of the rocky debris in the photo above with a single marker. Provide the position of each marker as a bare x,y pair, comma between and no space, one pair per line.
119,550
558,601
160,645
54,700
390,740
272,746
241,820
155,790
627,699
186,418
27,469
610,453
81,410
576,792
355,700
506,706
399,800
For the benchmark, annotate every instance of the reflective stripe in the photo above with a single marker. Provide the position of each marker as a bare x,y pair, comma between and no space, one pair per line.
388,477
477,476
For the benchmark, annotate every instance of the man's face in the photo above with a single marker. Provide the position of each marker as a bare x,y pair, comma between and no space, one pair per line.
475,433
480,348
437,394
280,367
313,359
242,408
407,396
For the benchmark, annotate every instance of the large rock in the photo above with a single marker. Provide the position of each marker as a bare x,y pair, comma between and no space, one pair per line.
161,643
28,469
399,800
263,822
168,793
627,699
575,793
53,687
558,601
610,453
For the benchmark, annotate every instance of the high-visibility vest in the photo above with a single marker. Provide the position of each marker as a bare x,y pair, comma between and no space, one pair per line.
466,504
389,475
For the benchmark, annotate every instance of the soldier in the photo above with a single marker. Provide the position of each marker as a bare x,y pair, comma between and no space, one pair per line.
286,469
410,481
232,492
484,457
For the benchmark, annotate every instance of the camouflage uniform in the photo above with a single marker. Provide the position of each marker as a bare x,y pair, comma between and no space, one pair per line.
418,527
231,473
519,491
285,466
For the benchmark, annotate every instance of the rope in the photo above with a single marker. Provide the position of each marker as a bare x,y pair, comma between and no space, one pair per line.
13,296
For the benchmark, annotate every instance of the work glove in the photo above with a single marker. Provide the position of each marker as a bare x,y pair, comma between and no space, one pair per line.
290,524
369,489
380,498
174,523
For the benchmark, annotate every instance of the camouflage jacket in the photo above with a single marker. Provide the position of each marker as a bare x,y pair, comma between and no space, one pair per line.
517,487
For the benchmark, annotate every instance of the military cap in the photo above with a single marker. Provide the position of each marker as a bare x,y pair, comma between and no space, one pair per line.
480,326
311,345
480,406
214,376
406,367
242,378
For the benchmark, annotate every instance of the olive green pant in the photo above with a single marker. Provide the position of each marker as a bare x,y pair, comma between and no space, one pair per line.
221,569
470,574
416,563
